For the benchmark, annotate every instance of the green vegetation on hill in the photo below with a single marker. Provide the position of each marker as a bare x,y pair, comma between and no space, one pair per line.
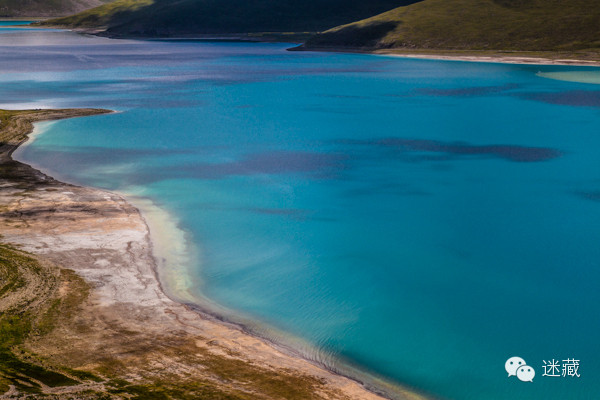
520,25
37,298
45,8
29,306
196,17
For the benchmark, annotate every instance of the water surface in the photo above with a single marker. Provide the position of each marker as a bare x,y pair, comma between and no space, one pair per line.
421,220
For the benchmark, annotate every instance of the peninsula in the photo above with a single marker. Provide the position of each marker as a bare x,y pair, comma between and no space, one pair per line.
82,314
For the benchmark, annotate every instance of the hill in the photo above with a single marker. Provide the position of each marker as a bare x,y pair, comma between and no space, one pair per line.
45,8
517,25
189,17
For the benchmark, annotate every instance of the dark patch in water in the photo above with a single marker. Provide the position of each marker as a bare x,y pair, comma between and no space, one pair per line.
507,152
579,98
594,196
469,91
268,163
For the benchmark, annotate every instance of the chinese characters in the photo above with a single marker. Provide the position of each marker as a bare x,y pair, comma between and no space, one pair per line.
568,368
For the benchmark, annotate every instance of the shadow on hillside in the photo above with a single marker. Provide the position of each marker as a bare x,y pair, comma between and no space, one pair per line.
353,36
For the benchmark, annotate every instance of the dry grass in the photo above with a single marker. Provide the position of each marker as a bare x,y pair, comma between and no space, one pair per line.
521,25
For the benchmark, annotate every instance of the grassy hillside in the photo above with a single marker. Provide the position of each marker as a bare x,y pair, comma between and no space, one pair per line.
522,25
188,17
45,8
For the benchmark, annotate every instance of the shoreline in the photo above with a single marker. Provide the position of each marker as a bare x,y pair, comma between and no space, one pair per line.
191,319
249,37
483,56
495,59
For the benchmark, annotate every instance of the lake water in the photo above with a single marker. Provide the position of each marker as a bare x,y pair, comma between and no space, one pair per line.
420,220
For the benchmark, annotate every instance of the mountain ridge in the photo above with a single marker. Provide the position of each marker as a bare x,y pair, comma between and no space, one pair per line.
171,18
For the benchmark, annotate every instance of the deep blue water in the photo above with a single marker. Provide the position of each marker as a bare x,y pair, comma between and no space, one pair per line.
422,220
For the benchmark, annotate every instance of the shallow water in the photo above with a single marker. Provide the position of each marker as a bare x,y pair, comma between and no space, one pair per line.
422,220
592,77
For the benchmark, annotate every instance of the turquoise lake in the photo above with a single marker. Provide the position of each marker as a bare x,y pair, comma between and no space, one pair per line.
419,220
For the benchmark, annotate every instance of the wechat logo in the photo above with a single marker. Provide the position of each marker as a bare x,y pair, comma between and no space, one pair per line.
516,366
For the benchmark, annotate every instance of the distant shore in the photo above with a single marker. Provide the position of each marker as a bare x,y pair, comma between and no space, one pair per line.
497,58
582,58
486,56
259,37
125,335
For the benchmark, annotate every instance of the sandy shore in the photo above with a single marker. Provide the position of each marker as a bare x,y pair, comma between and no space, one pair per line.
504,57
496,59
126,330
